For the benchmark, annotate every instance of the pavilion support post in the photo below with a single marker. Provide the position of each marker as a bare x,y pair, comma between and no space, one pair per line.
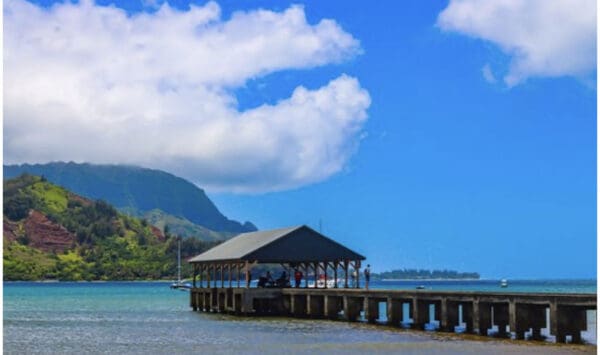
316,275
199,276
345,273
221,268
195,272
335,274
208,278
247,272
239,274
214,267
229,272
306,275
357,269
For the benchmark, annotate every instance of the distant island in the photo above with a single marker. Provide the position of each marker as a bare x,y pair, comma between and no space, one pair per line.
422,274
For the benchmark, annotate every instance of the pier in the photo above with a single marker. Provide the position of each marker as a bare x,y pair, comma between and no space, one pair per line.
515,314
222,278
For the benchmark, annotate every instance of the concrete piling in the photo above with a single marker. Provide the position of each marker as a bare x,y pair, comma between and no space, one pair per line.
394,311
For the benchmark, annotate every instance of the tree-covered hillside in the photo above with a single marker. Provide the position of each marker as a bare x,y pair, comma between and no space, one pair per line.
136,191
51,233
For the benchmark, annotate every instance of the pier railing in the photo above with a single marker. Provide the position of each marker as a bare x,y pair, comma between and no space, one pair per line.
514,314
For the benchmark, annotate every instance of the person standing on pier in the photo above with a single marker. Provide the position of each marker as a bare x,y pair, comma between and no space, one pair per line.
367,276
298,277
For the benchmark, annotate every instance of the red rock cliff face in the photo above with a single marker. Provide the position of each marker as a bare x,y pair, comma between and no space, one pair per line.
46,235
10,230
158,233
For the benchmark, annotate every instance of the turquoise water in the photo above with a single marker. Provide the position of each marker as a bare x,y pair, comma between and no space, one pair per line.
150,318
530,286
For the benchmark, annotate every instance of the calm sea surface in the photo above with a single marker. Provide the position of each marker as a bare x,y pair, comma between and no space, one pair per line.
150,318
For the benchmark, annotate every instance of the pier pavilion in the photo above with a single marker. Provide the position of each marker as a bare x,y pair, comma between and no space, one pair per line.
298,247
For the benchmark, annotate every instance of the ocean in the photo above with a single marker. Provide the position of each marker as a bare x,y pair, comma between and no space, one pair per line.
150,318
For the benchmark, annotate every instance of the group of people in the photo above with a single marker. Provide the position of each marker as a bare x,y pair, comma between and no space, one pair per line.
268,281
284,281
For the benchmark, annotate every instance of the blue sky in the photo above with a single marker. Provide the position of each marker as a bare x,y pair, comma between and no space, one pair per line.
457,150
455,172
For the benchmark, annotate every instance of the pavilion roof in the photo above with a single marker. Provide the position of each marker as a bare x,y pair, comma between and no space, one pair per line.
284,245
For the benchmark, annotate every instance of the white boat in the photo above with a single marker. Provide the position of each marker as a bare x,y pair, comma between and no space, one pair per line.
180,284
503,283
321,283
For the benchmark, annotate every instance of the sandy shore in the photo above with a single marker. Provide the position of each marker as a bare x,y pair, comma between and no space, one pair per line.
453,343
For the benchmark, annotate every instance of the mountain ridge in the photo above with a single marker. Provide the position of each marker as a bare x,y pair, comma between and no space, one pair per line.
136,190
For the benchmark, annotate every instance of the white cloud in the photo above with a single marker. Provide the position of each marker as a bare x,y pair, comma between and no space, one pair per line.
85,82
546,38
487,74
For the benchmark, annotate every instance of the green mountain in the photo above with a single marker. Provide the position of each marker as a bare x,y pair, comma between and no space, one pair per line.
139,191
52,233
182,227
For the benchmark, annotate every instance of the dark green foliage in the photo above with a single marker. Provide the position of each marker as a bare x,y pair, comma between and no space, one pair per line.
17,203
17,207
91,222
109,246
13,186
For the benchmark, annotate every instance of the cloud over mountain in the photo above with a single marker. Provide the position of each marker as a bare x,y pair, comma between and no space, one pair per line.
91,83
544,38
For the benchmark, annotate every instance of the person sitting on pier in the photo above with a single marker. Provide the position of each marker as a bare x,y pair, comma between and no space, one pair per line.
265,281
282,281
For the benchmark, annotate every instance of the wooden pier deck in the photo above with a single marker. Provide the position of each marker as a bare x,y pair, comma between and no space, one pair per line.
518,313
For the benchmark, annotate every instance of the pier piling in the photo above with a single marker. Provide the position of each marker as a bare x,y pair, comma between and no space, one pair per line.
394,311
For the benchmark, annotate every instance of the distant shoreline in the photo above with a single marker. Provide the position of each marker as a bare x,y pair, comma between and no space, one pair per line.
86,281
386,280
498,280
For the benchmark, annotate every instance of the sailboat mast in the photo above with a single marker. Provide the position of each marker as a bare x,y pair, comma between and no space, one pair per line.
179,260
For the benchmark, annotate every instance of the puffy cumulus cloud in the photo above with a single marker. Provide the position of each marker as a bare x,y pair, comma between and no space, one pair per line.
89,83
545,38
